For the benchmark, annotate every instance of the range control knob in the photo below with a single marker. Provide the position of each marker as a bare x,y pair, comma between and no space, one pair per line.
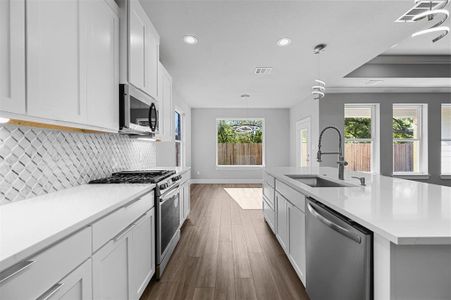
164,186
175,178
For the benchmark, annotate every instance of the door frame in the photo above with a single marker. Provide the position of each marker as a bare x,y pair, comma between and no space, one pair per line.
303,123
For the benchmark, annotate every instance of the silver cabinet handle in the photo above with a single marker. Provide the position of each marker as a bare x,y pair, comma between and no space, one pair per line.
334,226
14,270
124,232
49,293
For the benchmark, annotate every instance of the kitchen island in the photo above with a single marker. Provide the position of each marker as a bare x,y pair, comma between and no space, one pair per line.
410,221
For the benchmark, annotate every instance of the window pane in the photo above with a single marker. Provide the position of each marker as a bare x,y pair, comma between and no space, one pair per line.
178,127
357,122
240,142
304,148
406,157
405,121
358,155
446,157
446,121
178,154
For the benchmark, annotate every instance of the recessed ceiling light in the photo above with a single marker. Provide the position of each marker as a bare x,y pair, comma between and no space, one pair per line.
245,96
283,42
190,39
4,120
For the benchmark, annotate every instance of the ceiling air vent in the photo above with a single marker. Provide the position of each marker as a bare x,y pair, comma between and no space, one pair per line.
263,71
419,7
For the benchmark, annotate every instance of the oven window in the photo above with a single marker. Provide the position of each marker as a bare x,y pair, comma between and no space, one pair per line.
170,220
139,112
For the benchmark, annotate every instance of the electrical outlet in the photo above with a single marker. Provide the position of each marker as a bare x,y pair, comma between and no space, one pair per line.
197,172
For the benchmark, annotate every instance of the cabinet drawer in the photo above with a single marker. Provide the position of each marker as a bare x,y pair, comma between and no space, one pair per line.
37,274
296,198
269,214
268,192
268,179
109,226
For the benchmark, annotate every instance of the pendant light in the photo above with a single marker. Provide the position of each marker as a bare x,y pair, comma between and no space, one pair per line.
319,88
245,127
438,12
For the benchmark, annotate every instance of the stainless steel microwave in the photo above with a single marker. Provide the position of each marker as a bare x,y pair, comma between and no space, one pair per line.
138,112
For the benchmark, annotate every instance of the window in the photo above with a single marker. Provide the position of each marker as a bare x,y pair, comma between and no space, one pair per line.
446,139
409,138
179,144
361,137
240,142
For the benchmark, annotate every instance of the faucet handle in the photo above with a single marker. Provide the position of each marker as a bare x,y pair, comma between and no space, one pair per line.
362,180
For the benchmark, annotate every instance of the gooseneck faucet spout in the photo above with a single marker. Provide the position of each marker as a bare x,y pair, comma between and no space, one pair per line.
341,160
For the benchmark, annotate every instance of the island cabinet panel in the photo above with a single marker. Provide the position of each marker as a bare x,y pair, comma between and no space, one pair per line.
282,222
268,192
269,214
296,198
297,246
12,56
41,273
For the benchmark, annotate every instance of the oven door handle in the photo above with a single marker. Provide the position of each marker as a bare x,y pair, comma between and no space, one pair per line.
166,196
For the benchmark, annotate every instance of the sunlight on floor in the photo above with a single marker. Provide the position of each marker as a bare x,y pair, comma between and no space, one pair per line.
247,198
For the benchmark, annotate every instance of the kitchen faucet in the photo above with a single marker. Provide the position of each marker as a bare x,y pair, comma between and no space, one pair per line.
341,160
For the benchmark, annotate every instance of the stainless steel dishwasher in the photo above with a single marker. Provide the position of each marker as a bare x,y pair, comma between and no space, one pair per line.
339,256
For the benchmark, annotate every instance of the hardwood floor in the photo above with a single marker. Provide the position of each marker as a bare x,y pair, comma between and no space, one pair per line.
226,252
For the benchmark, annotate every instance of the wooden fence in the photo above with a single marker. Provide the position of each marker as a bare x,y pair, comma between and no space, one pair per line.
359,157
239,154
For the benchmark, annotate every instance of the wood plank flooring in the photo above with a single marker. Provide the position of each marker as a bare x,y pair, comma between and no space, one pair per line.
226,252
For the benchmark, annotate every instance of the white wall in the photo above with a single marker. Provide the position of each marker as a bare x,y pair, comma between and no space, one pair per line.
277,145
306,108
166,150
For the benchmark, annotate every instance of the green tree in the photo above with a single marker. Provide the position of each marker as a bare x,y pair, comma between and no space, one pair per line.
403,128
358,128
227,131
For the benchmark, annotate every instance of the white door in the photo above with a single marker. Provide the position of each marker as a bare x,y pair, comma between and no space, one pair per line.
53,60
282,221
12,56
141,254
303,143
75,286
296,225
101,28
110,270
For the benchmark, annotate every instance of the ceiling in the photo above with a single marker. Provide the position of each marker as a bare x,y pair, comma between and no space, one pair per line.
237,36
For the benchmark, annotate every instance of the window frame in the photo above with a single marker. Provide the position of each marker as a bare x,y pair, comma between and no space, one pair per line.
375,134
237,167
422,109
182,141
443,139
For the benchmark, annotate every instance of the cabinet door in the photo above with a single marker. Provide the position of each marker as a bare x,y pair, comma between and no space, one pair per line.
141,254
166,109
186,200
296,219
143,50
75,286
182,204
12,56
101,46
110,270
53,60
282,221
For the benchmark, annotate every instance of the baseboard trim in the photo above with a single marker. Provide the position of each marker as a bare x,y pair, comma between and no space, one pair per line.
226,181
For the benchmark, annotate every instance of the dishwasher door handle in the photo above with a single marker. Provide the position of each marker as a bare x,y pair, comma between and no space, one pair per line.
343,231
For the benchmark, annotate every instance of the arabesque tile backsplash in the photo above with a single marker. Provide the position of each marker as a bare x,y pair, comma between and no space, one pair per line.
35,161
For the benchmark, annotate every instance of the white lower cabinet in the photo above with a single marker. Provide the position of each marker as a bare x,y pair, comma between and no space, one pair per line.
296,228
282,221
185,203
75,286
123,267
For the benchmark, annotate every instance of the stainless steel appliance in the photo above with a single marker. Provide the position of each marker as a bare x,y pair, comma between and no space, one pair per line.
167,208
138,112
339,256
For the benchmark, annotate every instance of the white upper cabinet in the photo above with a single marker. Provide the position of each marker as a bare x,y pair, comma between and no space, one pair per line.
143,50
166,109
12,56
101,63
53,60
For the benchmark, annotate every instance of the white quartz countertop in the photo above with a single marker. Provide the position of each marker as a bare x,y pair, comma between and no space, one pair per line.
402,211
30,225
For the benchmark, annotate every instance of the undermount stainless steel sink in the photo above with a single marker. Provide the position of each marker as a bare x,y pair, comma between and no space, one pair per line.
315,181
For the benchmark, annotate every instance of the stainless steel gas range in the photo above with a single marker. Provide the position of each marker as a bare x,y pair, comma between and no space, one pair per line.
167,207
